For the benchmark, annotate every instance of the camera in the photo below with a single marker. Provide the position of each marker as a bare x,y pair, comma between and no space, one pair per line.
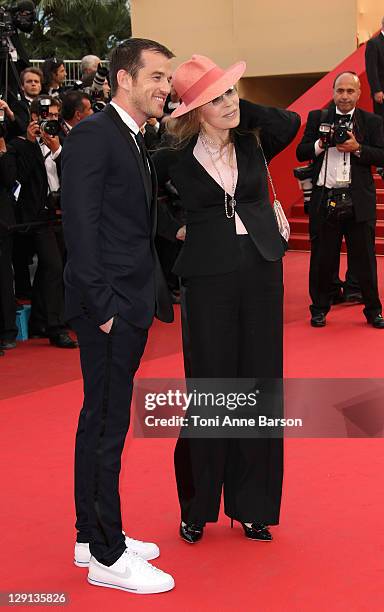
334,134
20,16
304,175
95,91
49,126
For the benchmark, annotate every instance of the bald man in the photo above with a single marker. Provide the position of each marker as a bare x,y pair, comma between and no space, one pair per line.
343,201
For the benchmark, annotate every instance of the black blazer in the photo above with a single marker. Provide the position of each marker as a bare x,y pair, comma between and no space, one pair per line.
368,129
374,62
32,174
109,222
7,180
210,246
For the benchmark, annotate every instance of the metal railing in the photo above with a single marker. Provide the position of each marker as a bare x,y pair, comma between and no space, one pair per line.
72,68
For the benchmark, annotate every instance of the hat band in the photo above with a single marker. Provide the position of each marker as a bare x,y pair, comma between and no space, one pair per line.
197,88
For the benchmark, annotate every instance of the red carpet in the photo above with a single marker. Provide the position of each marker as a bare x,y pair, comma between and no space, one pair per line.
327,552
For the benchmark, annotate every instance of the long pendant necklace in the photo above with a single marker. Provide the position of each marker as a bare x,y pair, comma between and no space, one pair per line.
229,206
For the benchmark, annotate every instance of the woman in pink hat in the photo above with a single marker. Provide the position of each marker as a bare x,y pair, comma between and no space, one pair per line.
231,271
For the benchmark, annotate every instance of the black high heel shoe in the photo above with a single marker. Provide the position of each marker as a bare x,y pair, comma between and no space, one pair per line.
191,533
257,531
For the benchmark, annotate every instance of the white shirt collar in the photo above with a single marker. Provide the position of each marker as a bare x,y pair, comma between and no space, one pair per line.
131,123
382,31
351,112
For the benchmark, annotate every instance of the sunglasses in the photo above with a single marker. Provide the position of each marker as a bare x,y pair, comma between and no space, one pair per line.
229,93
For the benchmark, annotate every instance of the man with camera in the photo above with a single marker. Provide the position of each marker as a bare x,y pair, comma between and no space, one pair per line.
75,106
374,61
38,171
344,146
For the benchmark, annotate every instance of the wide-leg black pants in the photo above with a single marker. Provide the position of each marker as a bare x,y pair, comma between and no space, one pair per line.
108,363
235,328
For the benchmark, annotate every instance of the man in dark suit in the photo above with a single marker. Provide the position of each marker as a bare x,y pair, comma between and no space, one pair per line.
38,158
374,62
344,198
114,287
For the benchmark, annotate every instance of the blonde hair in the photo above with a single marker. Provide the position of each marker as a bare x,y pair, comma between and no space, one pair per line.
182,129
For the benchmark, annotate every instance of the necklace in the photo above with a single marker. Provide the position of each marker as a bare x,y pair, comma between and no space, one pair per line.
229,207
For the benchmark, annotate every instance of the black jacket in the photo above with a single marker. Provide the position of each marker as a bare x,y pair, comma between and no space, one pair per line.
32,175
210,246
374,62
7,181
368,129
109,222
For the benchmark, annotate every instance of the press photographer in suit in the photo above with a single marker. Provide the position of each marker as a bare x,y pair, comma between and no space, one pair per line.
8,329
343,200
374,62
38,158
114,287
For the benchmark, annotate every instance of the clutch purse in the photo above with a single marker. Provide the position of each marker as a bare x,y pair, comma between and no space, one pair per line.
281,219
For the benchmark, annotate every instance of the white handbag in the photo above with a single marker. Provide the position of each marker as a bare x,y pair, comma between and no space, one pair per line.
281,219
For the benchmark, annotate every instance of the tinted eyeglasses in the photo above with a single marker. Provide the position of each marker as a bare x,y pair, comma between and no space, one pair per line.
229,93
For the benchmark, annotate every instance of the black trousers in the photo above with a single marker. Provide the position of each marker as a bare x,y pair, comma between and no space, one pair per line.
325,248
108,363
8,329
48,288
378,109
235,325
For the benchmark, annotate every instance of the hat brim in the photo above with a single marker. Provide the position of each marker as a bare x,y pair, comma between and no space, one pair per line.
229,78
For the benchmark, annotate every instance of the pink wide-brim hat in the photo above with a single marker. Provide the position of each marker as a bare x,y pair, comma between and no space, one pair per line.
199,80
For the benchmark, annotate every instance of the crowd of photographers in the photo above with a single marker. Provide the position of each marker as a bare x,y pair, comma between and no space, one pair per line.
34,123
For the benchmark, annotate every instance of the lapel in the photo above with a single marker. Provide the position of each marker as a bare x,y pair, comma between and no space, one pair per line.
242,159
127,134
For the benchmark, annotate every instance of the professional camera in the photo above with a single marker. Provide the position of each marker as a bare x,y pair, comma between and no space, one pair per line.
49,126
95,91
304,175
334,134
20,16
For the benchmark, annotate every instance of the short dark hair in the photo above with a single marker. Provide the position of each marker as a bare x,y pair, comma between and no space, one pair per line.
34,108
71,102
341,74
32,69
127,56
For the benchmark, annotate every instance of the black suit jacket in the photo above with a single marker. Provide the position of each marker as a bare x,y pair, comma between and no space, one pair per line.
32,174
374,62
368,129
109,222
7,180
210,246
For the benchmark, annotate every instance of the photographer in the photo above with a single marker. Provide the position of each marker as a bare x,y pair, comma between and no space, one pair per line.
343,200
38,171
54,75
76,105
21,16
8,329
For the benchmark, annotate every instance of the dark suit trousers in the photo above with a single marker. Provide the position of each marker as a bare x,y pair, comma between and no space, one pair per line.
378,109
8,329
48,286
350,284
235,326
325,248
108,363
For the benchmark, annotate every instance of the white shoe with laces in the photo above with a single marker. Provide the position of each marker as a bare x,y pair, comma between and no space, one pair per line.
130,573
145,550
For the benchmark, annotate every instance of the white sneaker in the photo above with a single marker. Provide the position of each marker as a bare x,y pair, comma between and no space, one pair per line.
130,573
146,550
